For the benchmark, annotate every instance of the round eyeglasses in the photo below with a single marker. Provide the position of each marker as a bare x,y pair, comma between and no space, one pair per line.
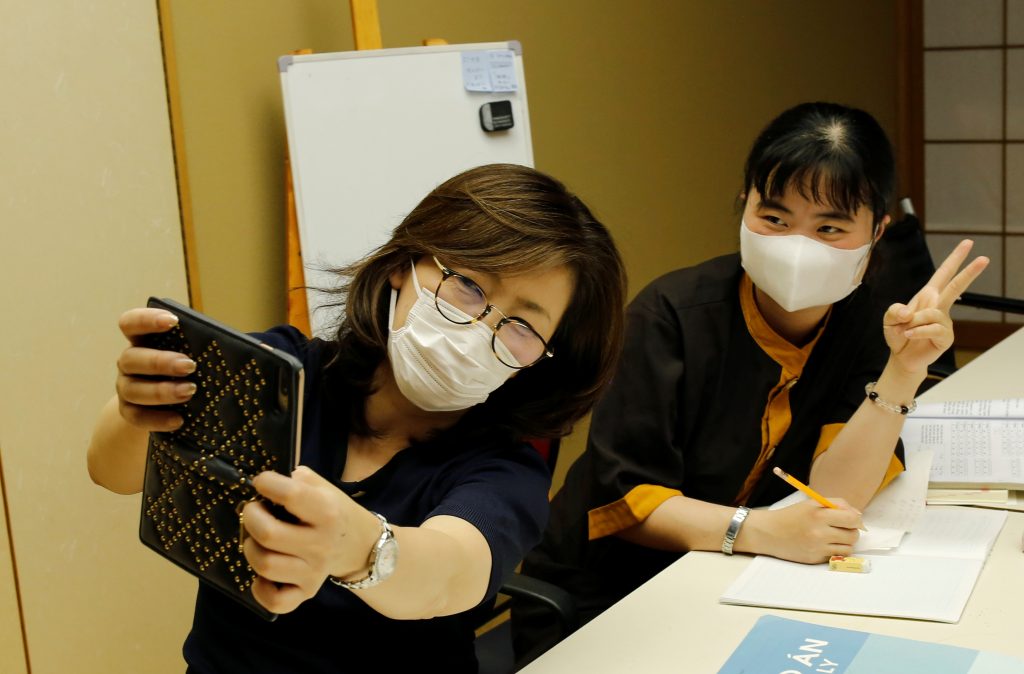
514,341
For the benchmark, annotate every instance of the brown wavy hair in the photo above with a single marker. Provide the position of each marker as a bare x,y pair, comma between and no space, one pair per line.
500,219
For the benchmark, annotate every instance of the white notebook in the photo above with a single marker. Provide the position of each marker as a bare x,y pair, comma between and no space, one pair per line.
929,577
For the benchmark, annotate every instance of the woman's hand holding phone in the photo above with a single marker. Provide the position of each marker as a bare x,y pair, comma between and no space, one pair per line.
151,378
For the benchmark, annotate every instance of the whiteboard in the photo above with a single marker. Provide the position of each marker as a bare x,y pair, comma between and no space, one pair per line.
370,133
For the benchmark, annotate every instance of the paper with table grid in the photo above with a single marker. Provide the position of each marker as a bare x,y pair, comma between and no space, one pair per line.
976,443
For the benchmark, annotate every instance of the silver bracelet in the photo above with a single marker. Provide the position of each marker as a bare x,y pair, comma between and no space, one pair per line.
869,389
734,529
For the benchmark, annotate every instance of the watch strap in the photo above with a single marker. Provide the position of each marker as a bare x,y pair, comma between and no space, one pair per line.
734,529
371,578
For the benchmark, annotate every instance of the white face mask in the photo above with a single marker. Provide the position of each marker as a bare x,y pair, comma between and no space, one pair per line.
441,366
798,272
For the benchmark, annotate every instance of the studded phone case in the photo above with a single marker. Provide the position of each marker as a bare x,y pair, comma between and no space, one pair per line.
243,419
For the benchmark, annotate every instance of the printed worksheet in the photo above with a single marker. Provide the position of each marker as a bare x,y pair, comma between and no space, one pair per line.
970,452
1006,408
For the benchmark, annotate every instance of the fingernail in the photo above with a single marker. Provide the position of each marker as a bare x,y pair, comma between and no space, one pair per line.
908,333
168,320
184,365
185,389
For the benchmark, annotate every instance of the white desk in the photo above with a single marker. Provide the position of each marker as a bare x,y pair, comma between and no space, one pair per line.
997,373
674,623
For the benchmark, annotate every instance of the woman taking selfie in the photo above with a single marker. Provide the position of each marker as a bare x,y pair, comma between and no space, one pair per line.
493,315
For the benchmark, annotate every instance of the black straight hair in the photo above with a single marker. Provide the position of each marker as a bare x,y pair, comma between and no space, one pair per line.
829,153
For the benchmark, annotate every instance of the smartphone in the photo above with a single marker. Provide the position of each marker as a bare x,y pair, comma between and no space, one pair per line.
244,418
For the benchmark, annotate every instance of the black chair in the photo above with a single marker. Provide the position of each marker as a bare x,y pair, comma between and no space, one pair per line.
1007,305
494,647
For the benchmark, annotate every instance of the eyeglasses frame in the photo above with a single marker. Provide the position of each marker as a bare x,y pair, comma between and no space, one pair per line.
446,274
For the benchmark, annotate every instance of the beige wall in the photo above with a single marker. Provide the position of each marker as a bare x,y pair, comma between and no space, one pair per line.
645,108
90,227
648,108
234,138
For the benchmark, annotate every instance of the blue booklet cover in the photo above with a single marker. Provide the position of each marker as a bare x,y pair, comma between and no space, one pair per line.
781,646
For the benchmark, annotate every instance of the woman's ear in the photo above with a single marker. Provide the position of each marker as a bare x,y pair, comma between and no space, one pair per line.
880,230
397,277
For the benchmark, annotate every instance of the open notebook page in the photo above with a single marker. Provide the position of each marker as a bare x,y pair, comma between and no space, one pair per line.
950,531
934,583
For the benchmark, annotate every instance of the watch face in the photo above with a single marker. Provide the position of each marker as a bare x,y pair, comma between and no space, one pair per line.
387,559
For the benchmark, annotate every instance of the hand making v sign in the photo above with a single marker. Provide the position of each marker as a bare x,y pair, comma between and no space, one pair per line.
919,331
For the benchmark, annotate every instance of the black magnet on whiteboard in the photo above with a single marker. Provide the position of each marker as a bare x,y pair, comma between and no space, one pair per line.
496,116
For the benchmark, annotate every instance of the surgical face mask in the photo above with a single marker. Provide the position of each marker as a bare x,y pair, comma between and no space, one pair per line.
440,366
798,272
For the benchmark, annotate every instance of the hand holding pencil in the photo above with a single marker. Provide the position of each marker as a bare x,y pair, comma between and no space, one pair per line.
807,490
808,532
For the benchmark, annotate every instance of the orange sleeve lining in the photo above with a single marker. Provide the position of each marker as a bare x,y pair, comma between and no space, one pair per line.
892,472
827,437
628,511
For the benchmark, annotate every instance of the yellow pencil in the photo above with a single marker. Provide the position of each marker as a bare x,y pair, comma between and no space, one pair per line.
807,490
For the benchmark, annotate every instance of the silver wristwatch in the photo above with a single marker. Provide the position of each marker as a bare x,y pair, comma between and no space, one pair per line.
383,559
734,529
